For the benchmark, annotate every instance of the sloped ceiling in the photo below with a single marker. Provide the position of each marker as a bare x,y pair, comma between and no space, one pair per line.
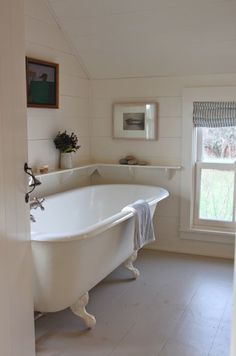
142,38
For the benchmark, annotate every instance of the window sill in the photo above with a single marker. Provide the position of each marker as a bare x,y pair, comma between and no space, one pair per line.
205,235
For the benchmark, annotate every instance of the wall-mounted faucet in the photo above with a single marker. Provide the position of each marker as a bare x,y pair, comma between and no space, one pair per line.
35,204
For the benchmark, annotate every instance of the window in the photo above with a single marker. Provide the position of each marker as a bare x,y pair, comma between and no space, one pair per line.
208,165
215,177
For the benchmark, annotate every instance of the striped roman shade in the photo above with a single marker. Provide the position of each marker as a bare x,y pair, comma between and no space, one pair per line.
214,113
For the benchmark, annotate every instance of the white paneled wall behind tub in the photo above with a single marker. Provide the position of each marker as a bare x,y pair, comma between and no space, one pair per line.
167,149
44,40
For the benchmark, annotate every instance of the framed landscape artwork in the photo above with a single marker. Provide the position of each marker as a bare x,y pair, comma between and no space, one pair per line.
42,80
135,121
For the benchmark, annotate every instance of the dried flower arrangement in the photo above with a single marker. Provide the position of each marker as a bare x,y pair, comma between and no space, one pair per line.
66,143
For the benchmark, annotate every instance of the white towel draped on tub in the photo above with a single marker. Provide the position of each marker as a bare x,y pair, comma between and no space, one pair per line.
143,230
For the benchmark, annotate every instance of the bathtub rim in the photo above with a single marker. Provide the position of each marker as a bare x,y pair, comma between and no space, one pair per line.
99,227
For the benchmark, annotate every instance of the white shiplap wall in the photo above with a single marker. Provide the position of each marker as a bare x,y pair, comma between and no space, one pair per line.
167,91
44,40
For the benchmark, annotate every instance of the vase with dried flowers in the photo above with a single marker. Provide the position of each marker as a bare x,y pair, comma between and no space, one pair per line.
66,144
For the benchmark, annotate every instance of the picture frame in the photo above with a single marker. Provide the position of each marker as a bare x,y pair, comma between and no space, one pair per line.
42,82
137,121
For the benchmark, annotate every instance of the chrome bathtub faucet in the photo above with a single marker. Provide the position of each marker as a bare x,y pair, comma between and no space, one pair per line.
35,204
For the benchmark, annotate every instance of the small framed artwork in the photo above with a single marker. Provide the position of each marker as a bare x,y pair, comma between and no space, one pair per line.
135,121
42,79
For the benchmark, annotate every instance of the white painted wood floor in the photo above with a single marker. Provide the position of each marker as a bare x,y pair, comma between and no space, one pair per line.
179,306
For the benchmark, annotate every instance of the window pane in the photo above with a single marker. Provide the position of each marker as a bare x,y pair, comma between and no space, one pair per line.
216,195
219,144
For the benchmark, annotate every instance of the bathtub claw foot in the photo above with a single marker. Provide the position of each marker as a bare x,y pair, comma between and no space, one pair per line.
129,264
79,309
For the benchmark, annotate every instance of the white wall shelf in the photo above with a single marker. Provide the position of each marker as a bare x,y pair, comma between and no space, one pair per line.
92,168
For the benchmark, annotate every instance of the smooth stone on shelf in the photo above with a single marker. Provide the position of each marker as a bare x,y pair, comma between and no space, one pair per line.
129,157
123,161
132,161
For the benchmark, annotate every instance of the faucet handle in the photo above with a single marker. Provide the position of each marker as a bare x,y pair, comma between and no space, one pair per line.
37,203
40,203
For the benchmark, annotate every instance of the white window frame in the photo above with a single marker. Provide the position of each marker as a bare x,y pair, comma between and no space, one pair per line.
189,156
199,165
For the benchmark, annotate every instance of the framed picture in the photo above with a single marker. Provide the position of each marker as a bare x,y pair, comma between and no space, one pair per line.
135,121
42,79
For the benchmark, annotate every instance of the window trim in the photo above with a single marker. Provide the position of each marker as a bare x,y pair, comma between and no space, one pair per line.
190,95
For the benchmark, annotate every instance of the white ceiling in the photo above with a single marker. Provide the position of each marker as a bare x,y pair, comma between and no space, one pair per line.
139,38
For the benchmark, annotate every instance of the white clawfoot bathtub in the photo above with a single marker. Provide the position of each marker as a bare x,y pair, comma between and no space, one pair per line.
81,237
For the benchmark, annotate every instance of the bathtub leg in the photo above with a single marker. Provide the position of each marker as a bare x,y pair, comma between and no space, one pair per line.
129,264
79,309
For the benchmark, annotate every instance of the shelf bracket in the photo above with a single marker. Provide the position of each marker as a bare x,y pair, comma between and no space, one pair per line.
169,173
131,171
